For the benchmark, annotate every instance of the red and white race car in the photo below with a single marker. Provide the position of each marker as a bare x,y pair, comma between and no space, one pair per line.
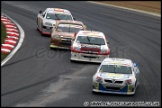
90,46
46,20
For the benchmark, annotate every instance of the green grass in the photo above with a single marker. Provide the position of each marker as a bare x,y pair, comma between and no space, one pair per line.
3,36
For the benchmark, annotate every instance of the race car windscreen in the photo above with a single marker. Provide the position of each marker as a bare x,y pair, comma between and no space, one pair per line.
58,16
71,28
90,40
116,69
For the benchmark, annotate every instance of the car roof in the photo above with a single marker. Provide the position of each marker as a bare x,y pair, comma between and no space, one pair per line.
70,21
58,10
117,61
90,33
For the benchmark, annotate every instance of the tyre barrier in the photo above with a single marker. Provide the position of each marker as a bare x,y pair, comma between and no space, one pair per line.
12,35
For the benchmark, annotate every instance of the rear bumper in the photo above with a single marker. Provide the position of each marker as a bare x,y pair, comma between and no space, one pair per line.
87,57
60,43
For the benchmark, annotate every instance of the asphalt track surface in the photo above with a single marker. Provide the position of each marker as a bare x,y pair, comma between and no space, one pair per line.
39,76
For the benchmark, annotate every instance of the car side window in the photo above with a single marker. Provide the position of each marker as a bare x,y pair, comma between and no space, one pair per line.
44,13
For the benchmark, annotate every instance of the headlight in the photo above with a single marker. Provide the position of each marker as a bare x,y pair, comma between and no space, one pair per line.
48,24
103,51
56,36
99,79
76,48
129,81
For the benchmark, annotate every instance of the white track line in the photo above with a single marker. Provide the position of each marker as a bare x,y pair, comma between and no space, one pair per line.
21,39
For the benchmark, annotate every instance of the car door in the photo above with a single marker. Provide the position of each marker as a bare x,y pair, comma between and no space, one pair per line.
40,19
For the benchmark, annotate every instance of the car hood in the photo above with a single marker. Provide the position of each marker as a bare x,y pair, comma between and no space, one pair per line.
65,34
87,47
106,75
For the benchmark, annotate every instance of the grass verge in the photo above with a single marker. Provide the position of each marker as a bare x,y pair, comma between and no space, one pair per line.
149,6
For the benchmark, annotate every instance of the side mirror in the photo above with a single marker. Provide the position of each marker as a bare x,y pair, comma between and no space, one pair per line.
74,18
72,41
40,11
73,38
107,42
135,64
136,68
75,35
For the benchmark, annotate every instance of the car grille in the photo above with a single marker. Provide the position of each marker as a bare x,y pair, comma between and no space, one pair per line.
48,28
115,82
90,50
119,82
89,56
66,41
109,81
113,88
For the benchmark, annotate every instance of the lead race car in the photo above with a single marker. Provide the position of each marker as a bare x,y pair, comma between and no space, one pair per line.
116,75
64,32
90,46
46,20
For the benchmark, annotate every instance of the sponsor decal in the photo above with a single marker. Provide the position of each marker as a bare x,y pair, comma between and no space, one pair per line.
115,75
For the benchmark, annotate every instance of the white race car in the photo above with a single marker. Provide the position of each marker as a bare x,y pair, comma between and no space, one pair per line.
116,75
46,20
89,46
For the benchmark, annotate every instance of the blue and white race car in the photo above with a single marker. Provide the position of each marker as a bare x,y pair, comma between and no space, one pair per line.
116,75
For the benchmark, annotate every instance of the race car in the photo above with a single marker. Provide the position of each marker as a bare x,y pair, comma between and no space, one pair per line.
64,32
117,76
90,46
46,20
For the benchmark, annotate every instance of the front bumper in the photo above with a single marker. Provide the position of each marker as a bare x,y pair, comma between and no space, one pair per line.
87,57
59,47
46,30
125,90
61,43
